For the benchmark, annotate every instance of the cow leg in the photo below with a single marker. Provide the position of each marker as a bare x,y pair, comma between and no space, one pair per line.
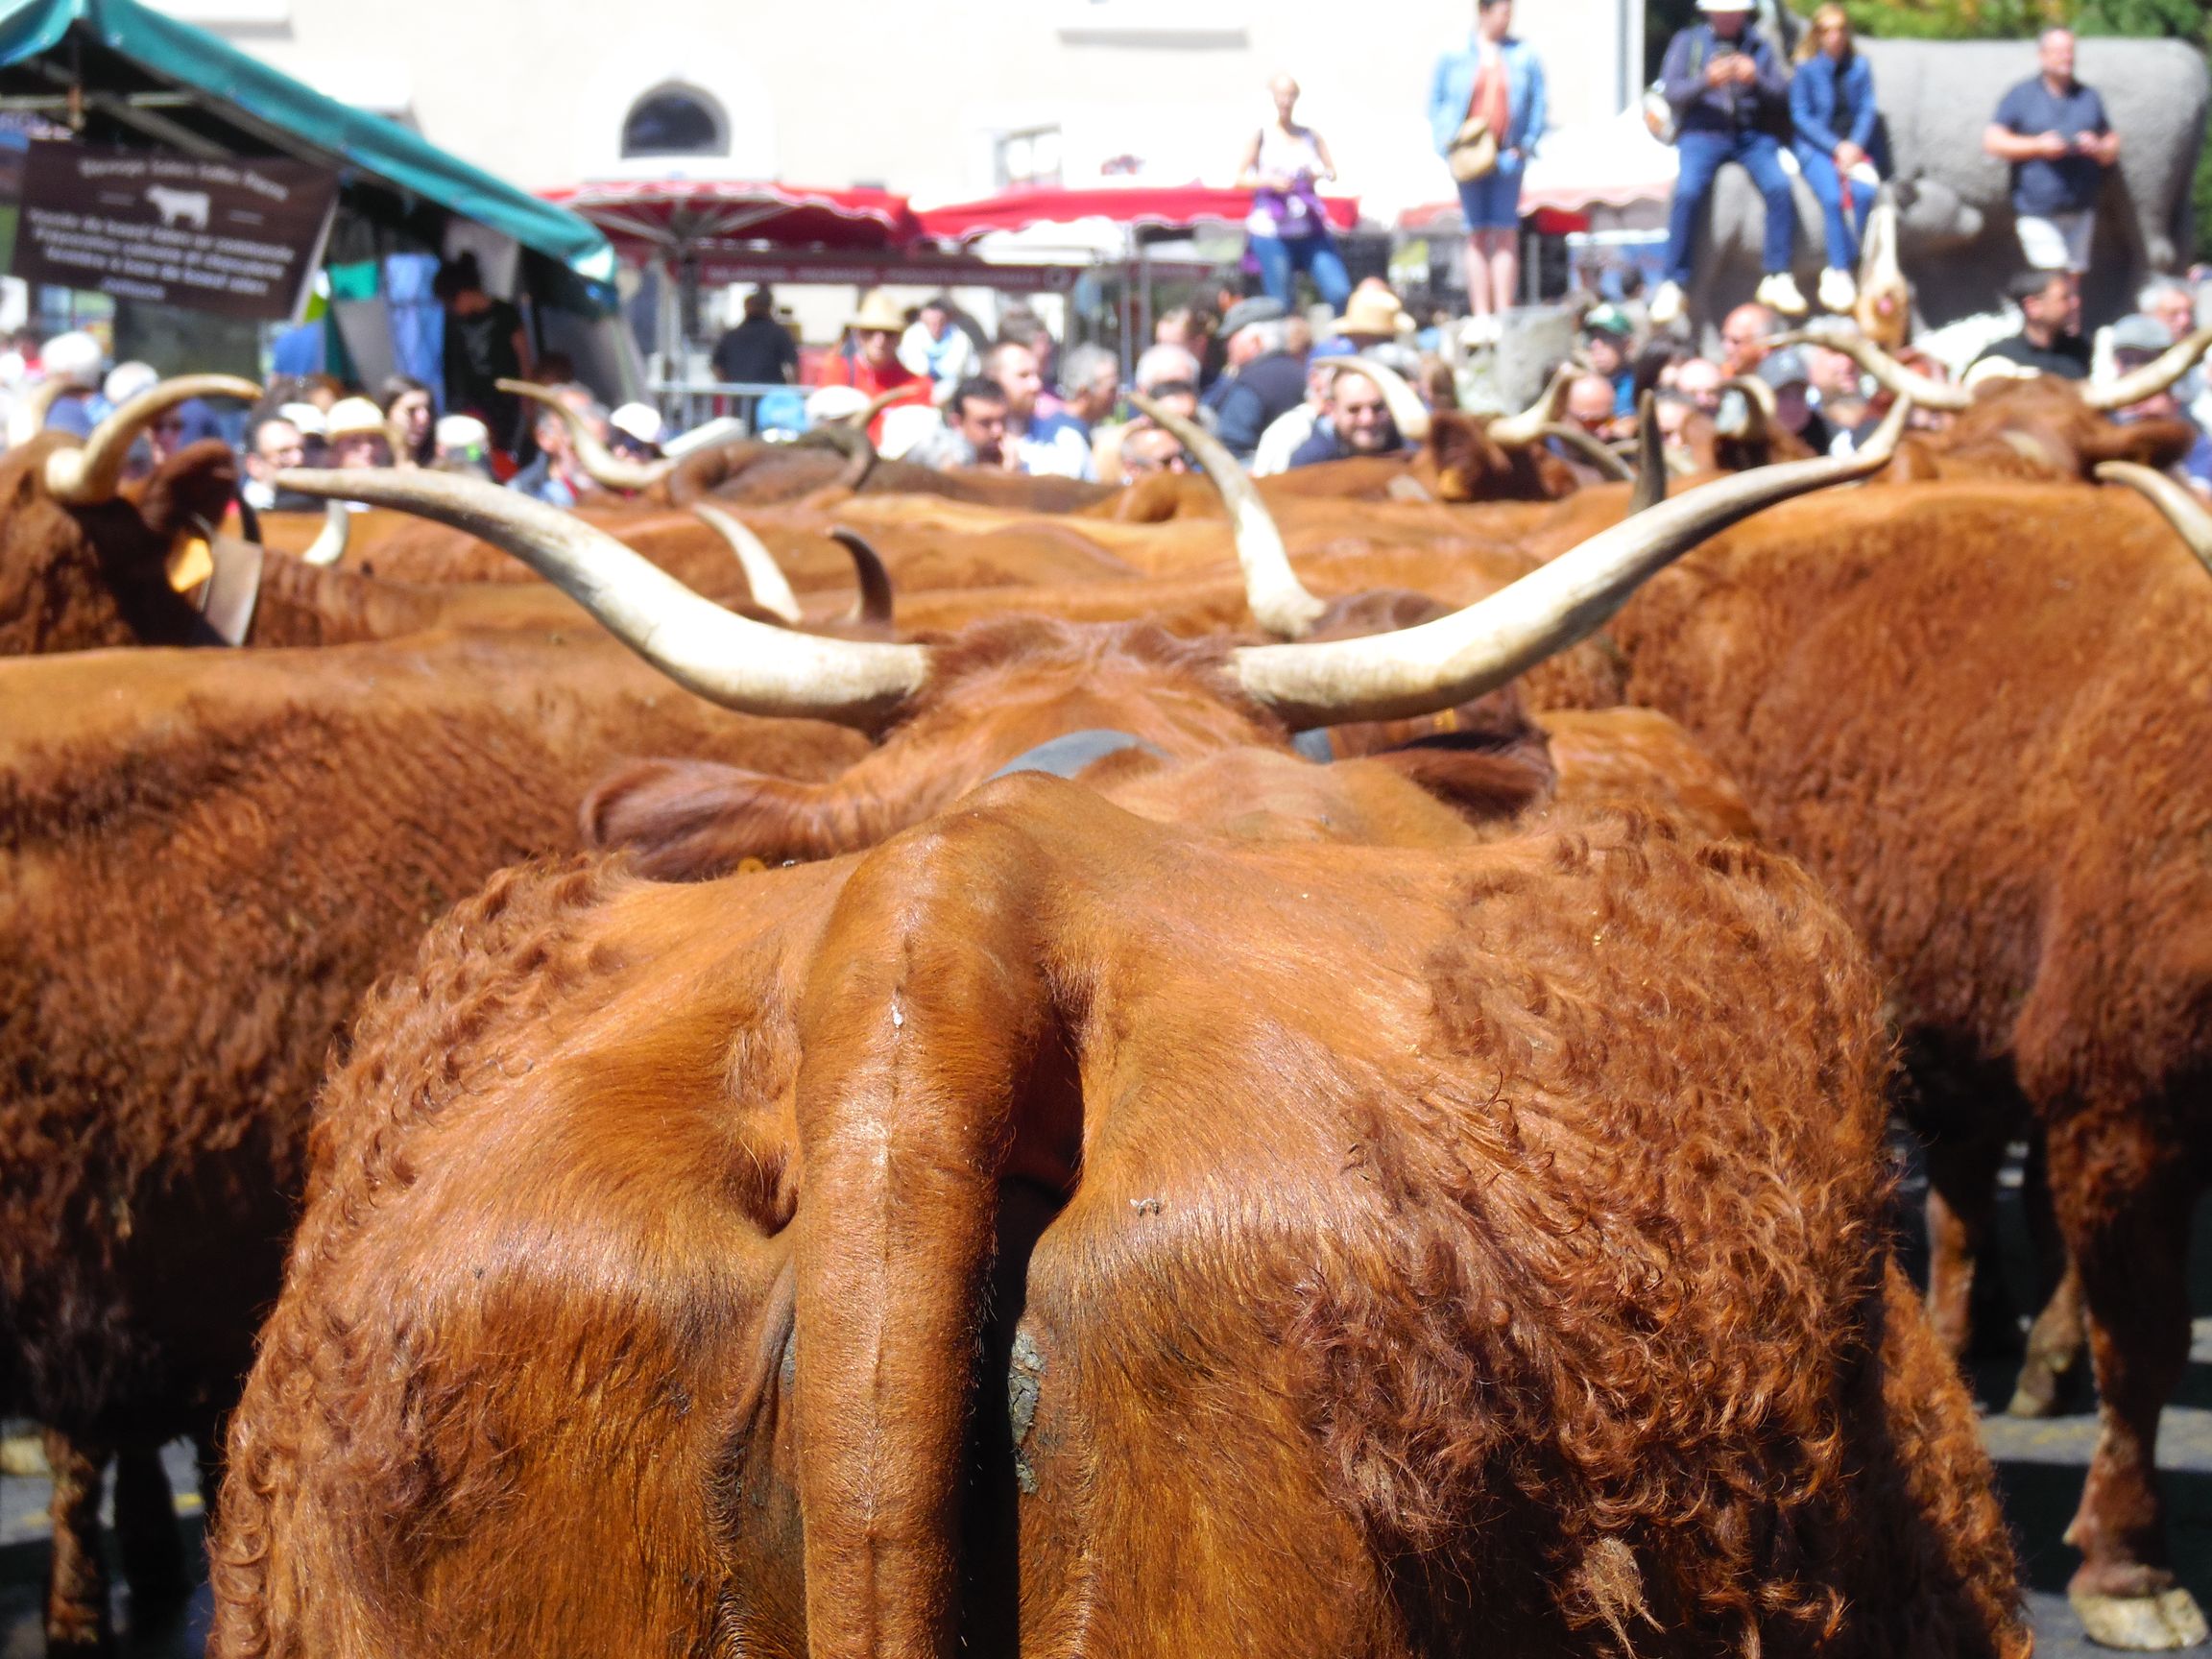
2123,1200
146,1537
1963,1166
77,1577
2058,1336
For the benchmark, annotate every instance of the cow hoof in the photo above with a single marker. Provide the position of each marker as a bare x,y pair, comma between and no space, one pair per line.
2035,1394
2142,1623
24,1457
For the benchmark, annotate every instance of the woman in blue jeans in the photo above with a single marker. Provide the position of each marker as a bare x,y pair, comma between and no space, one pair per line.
1284,167
1496,77
1831,114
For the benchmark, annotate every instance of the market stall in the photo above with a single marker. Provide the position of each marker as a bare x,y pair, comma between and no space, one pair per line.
119,76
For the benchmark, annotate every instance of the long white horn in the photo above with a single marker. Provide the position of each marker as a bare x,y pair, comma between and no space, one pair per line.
329,543
2153,378
1902,381
1408,413
1420,670
873,603
28,418
762,574
88,475
2181,508
723,656
1520,431
1278,600
591,453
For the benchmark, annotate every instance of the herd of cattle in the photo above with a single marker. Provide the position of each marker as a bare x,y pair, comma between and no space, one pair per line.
1297,1068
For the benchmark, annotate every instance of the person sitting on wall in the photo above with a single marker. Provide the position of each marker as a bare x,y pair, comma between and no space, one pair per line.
1729,89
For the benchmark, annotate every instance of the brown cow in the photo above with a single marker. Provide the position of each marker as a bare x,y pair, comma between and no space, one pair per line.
205,859
1468,1237
1981,712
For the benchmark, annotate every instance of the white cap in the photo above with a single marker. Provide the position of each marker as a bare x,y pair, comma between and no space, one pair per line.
126,380
74,357
460,432
640,420
834,402
306,416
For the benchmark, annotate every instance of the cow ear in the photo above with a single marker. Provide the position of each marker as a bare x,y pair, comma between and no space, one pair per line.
694,819
1482,784
2154,444
191,489
1459,455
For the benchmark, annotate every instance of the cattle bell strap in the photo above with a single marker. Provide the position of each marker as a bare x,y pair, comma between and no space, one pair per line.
226,602
1064,757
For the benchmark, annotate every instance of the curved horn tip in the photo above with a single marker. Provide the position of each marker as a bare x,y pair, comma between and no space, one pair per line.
88,475
875,601
771,589
1278,600
2178,505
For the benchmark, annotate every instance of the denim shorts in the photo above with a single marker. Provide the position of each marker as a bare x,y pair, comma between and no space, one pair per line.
1493,202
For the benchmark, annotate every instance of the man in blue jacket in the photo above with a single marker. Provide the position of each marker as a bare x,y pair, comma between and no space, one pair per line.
1729,91
1498,77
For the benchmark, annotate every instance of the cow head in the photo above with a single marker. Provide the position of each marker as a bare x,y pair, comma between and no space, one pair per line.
951,715
84,562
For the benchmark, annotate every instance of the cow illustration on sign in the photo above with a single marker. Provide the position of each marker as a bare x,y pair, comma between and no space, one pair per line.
180,206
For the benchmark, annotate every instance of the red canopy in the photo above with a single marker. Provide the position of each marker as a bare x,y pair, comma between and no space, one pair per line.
665,216
1444,218
1175,208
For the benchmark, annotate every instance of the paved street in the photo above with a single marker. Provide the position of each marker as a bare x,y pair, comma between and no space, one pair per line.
2039,1463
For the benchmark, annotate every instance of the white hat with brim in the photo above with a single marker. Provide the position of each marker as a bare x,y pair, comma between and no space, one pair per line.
1727,5
639,421
306,417
875,311
353,417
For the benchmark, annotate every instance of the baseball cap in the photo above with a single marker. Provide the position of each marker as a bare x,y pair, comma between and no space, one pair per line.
1608,320
639,421
1260,308
1785,368
2141,333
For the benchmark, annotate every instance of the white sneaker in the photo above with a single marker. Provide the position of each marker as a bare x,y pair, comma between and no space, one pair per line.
1838,291
1666,305
1779,290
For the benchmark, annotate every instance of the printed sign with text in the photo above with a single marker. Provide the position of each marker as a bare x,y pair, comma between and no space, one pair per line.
236,237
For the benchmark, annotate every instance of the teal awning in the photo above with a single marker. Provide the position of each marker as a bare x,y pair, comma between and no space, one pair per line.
168,82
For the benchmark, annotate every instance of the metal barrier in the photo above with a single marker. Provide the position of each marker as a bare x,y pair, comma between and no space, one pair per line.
688,404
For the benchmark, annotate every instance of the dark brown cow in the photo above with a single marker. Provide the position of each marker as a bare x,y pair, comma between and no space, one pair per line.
205,859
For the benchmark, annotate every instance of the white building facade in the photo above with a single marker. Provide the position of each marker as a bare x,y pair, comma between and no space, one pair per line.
939,102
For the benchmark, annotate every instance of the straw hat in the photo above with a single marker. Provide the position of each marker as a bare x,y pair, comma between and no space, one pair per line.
353,417
1373,313
877,312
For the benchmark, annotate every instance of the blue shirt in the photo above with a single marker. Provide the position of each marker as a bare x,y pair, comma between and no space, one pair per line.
2070,184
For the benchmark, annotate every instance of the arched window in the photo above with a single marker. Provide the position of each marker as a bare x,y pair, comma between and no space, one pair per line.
675,121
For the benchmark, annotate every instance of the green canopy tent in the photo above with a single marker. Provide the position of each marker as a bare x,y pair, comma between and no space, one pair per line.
118,72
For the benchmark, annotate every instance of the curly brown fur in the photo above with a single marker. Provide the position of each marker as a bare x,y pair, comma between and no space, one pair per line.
203,862
1980,712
